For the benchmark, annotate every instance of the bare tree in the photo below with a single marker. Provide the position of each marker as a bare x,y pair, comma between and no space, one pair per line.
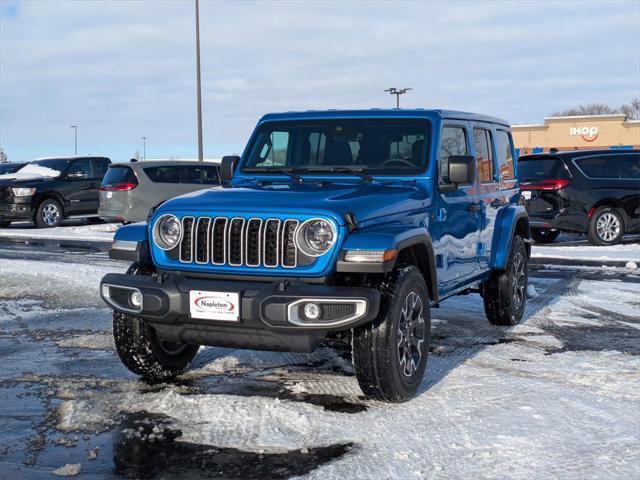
632,109
588,109
3,157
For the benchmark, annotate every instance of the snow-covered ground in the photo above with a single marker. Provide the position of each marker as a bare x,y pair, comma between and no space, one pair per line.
555,397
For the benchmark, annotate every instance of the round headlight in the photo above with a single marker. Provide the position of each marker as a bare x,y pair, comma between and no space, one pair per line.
315,237
167,232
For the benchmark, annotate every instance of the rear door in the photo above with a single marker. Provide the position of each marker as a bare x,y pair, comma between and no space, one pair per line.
164,183
489,195
455,230
115,189
81,187
629,169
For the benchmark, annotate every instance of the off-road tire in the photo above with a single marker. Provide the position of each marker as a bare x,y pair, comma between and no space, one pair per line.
44,206
140,349
376,355
505,292
544,235
604,222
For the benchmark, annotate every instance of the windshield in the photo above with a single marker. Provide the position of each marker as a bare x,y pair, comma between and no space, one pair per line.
45,168
541,168
377,146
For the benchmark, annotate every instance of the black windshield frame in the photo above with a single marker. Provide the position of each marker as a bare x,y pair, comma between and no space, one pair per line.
402,144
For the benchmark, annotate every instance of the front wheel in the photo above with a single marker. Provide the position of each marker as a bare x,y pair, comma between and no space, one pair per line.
544,235
390,354
49,214
606,227
505,293
141,350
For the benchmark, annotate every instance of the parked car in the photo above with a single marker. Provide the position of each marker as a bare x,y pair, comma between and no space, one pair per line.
48,190
129,191
342,225
595,192
10,167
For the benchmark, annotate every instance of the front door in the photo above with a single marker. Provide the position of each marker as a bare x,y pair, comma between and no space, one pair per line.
455,230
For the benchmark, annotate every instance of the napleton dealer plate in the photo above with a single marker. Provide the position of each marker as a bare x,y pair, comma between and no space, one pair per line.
223,306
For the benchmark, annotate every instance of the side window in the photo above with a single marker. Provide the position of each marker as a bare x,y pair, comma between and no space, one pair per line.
505,158
167,174
484,154
99,167
629,166
602,166
274,150
80,169
199,175
452,142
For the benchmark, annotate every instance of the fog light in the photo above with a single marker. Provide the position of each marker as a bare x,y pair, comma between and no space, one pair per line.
136,299
312,311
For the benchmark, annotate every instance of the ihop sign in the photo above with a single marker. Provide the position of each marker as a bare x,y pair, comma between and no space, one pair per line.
588,134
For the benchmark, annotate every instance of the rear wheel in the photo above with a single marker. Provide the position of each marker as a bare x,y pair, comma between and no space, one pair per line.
544,235
390,354
49,214
505,293
606,227
141,350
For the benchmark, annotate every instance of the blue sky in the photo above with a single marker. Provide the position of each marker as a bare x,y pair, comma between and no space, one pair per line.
125,69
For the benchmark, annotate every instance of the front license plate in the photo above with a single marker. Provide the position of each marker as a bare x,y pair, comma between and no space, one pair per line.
526,194
214,305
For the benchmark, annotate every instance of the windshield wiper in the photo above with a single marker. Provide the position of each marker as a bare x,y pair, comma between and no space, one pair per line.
360,172
287,171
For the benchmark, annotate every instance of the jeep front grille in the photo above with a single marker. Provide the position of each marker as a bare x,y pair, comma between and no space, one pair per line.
239,242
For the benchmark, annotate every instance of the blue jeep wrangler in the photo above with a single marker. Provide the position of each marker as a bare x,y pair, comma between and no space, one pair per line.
331,225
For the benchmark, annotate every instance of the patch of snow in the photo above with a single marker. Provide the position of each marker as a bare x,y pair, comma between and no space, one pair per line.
94,341
531,291
68,470
631,265
37,170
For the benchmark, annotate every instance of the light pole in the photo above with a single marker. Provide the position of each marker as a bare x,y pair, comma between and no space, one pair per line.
144,148
397,92
199,93
75,138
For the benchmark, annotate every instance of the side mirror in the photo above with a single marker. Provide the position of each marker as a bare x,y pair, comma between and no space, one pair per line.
461,169
227,167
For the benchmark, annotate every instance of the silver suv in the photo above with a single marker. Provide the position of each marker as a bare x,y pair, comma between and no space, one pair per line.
130,191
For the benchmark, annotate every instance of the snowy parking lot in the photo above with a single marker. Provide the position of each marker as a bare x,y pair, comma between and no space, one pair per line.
555,397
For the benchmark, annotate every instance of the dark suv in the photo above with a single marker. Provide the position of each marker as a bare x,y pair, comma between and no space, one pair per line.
596,192
49,190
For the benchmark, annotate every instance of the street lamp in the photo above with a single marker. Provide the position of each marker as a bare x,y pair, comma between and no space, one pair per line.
199,93
397,92
144,148
75,137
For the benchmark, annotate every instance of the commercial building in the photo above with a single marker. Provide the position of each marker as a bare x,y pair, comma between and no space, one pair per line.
583,132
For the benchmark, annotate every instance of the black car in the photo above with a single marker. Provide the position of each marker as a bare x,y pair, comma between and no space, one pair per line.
51,189
596,192
10,167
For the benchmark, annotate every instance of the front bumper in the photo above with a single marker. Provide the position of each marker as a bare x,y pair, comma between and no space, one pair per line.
15,211
269,317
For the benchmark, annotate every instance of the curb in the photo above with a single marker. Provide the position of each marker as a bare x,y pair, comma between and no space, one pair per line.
577,262
51,243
